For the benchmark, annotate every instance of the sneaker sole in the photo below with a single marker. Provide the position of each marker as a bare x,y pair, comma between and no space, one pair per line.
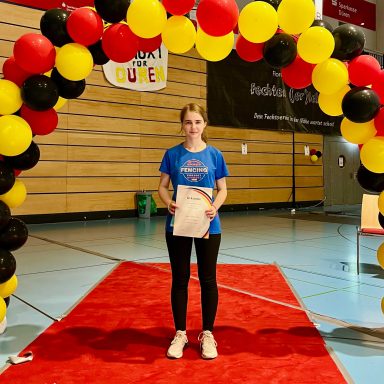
208,358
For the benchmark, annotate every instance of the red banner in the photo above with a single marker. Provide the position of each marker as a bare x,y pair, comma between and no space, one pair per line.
68,5
357,12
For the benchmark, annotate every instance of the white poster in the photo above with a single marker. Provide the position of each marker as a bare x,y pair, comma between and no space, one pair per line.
146,72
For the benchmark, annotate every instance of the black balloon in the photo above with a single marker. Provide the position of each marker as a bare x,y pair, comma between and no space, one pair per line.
68,89
370,181
26,160
280,50
14,235
53,25
322,23
349,42
360,104
39,92
275,3
7,300
381,220
7,265
7,178
112,11
5,215
318,154
99,56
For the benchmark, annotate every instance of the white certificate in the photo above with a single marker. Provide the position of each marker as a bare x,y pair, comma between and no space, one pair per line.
190,217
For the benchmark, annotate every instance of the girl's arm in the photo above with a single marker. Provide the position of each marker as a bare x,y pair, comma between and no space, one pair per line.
164,193
220,198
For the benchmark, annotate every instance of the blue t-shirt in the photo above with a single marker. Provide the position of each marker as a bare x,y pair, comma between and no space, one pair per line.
199,169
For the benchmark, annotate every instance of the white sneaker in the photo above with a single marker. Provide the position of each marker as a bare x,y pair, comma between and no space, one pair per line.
207,345
175,350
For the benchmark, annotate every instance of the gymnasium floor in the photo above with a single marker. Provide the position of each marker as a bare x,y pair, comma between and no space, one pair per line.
61,262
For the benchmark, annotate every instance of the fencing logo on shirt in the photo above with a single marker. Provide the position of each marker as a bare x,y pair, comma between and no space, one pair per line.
194,170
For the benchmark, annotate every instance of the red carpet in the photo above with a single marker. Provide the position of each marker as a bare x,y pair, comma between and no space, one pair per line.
119,334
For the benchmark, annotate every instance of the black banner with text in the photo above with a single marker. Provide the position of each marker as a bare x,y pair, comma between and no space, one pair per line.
253,95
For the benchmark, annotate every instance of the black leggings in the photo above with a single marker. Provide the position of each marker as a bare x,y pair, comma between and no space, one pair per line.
179,249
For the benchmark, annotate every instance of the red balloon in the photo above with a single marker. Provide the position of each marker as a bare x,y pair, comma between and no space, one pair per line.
298,75
149,45
312,151
378,85
13,72
41,122
217,17
34,53
379,122
85,26
249,51
178,7
119,43
363,70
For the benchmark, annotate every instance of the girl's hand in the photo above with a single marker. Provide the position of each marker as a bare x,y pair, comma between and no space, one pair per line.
172,207
211,212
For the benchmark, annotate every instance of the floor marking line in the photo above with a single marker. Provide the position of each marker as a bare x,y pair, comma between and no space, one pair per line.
64,269
37,309
76,248
281,242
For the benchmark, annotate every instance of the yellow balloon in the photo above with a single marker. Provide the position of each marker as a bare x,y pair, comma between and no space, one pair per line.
3,309
296,16
381,203
331,104
60,103
16,195
15,135
146,18
380,255
357,133
315,45
10,97
214,48
7,288
74,61
330,76
372,154
382,305
314,158
179,34
257,21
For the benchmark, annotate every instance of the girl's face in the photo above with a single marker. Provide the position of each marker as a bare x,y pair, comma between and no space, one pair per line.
193,125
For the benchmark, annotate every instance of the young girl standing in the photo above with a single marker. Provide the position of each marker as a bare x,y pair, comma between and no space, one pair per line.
193,163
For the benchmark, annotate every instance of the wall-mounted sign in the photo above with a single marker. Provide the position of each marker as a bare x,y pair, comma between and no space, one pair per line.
341,161
145,72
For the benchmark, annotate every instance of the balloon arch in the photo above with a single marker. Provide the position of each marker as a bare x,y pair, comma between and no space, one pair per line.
47,69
